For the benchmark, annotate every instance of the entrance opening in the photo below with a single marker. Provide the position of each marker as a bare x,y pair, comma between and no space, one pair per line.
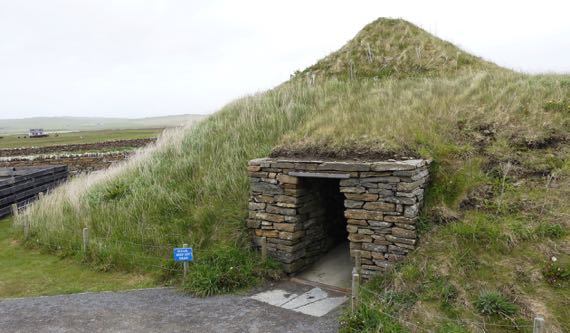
327,236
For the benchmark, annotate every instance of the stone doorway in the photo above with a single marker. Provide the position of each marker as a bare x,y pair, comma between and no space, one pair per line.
303,208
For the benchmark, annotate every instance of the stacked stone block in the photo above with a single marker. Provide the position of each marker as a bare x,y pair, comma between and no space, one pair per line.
382,202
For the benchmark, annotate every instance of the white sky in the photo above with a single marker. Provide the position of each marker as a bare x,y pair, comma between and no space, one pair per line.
138,58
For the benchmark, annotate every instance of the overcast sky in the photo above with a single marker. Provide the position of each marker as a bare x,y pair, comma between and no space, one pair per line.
138,58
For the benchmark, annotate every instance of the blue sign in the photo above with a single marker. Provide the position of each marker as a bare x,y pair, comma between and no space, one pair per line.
183,254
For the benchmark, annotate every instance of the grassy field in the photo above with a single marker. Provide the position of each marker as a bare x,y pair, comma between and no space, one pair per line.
495,213
87,124
19,141
28,272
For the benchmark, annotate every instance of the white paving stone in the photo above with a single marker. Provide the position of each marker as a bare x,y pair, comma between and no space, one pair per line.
310,296
322,307
275,297
315,302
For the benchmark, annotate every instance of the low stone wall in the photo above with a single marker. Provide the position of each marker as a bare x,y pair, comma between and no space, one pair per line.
381,206
114,144
76,163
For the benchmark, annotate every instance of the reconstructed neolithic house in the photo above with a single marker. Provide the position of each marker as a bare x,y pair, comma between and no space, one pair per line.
302,208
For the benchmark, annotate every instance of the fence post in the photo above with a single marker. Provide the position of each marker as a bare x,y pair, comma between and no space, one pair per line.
538,325
85,240
26,228
40,195
15,210
264,248
355,287
185,263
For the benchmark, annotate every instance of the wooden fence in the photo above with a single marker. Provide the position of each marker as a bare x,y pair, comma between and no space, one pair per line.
22,185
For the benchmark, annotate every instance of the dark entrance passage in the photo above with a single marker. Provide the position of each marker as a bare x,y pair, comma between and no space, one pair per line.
328,256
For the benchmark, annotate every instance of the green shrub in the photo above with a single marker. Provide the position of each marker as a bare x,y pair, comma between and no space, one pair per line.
554,231
226,269
556,274
492,303
368,319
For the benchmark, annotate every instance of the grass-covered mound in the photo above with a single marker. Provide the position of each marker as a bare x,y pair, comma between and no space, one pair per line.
496,211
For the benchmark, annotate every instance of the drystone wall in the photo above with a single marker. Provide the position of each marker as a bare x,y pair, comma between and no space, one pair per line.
77,163
381,206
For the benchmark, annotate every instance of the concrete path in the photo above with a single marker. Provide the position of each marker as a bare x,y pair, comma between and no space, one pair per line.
158,310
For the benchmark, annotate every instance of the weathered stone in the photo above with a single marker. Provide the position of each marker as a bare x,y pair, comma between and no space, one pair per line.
282,165
400,200
266,233
290,248
400,240
281,211
363,254
285,179
381,206
266,216
405,226
254,180
253,168
264,198
266,188
365,231
286,199
349,182
374,247
351,228
359,238
344,166
291,235
411,211
361,196
286,205
256,206
353,204
380,224
405,233
290,227
360,214
391,166
352,189
394,257
373,267
404,187
400,219
259,174
356,222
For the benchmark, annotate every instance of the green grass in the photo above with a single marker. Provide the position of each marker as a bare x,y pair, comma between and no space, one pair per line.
18,141
33,272
499,181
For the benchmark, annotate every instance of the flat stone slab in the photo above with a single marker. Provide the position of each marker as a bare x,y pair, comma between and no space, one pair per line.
315,302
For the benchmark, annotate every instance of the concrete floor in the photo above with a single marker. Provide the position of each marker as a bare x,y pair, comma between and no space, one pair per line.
334,269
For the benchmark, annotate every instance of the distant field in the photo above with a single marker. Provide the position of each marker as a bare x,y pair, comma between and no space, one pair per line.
18,141
51,124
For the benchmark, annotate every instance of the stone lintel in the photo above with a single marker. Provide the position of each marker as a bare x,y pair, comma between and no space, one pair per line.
320,175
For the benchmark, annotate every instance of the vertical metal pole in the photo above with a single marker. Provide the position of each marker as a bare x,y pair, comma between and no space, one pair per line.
264,248
538,325
355,287
85,240
185,263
